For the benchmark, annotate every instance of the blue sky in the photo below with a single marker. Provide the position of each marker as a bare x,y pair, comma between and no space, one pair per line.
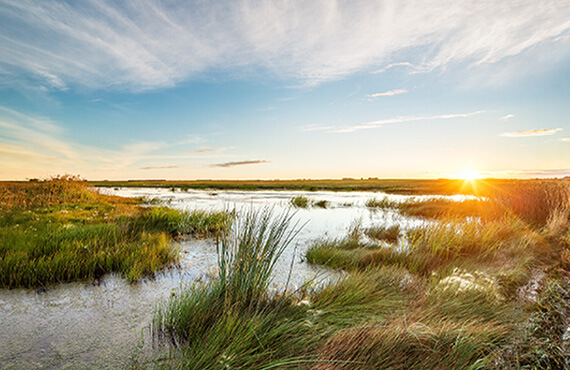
284,89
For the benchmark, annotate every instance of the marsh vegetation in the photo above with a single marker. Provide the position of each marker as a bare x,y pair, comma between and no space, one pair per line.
462,292
478,282
60,230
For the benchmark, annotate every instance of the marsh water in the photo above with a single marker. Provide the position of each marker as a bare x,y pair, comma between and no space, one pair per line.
86,325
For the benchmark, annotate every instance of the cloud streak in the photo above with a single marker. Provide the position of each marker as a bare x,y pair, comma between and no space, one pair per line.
388,93
148,44
160,167
390,66
240,163
527,133
379,123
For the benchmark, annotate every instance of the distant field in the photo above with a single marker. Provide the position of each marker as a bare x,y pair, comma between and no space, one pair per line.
393,186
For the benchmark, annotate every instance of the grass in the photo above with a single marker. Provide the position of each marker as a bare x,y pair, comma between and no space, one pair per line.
304,202
436,208
232,321
470,306
60,230
391,186
375,317
300,202
389,234
452,295
451,299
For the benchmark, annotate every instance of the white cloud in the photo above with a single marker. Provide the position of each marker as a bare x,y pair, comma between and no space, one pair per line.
390,66
316,127
239,163
388,93
526,133
565,139
148,44
400,119
507,117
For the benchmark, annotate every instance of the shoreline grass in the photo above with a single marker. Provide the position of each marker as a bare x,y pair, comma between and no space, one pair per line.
60,231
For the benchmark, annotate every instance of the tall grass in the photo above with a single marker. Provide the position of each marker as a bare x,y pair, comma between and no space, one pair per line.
541,342
434,208
390,234
534,202
57,190
248,252
233,320
470,310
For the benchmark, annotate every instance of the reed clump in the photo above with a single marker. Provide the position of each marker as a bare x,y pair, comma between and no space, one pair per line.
535,202
302,201
233,320
60,230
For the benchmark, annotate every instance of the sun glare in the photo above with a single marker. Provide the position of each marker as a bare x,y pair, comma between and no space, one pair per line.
469,175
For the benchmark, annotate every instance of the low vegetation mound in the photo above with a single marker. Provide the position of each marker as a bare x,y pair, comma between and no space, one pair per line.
61,230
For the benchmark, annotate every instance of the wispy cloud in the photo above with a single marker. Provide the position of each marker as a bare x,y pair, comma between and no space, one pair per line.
507,117
240,163
526,133
400,119
387,93
389,66
565,139
160,167
148,44
316,127
208,150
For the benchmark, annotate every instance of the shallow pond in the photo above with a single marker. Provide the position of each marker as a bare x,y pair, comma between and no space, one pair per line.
81,325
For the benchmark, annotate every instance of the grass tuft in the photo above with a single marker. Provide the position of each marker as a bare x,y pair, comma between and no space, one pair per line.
389,234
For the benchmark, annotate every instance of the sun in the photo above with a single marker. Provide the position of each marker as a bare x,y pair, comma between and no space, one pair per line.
469,175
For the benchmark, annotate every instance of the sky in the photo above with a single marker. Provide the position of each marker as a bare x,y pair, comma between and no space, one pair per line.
199,89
